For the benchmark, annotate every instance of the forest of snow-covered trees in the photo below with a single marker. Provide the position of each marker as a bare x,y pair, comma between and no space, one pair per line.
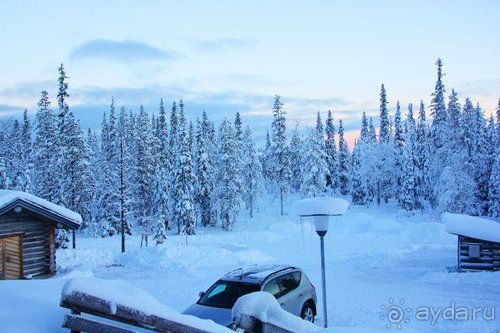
146,173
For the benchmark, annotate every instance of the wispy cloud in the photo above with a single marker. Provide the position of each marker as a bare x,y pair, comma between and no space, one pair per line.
223,44
122,51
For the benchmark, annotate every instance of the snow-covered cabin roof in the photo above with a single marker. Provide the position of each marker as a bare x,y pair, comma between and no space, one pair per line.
472,226
11,199
321,206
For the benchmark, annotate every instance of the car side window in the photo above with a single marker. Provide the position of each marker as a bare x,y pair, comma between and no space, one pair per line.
283,284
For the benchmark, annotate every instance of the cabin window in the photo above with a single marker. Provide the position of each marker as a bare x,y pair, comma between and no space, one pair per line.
475,251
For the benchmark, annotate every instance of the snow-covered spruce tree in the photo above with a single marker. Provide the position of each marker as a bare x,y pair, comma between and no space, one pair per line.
160,189
228,200
296,159
144,176
385,154
315,167
408,195
422,155
362,182
173,147
398,150
14,159
252,178
204,172
480,160
267,161
344,162
454,128
384,117
106,207
183,184
438,133
332,179
494,188
44,179
281,172
61,148
78,183
239,139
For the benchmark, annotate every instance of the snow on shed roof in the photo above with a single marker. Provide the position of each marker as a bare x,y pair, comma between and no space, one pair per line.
472,226
321,206
7,197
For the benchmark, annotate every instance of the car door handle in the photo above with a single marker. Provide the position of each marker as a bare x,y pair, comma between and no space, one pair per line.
282,305
301,295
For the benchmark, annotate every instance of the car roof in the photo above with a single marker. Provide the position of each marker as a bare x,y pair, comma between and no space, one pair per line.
256,273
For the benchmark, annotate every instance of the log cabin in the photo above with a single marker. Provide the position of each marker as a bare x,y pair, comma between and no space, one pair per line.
478,245
27,234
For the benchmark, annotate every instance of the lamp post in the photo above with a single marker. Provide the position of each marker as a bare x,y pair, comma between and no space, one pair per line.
321,225
320,209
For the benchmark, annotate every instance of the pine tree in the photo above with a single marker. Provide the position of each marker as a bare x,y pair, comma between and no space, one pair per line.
344,162
332,180
280,152
453,116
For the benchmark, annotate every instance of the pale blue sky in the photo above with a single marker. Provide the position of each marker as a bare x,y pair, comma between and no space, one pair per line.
226,56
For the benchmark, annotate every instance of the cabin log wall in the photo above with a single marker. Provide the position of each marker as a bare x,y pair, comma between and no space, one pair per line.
489,255
37,251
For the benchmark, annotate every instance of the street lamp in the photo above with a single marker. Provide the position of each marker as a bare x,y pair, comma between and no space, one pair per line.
320,209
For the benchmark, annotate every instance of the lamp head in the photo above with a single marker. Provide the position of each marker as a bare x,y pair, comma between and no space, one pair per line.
321,224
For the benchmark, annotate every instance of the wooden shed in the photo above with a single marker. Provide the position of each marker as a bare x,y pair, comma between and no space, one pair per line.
478,245
27,234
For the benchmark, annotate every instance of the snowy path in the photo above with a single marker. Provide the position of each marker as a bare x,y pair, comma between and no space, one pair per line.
372,256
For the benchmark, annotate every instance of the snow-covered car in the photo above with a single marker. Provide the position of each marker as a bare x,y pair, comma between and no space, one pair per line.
288,284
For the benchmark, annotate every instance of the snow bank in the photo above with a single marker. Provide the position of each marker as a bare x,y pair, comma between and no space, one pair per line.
118,292
264,307
8,196
472,226
321,206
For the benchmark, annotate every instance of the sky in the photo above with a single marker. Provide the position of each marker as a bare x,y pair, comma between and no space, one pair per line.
228,56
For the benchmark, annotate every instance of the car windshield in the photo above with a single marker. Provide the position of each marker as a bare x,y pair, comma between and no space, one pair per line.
223,294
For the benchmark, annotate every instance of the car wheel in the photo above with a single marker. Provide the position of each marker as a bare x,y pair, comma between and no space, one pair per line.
307,312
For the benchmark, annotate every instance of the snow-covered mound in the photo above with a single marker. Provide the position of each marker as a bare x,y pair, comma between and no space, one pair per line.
472,226
321,206
118,292
264,307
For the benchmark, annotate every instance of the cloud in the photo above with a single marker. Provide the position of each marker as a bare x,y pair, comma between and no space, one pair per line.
223,44
122,51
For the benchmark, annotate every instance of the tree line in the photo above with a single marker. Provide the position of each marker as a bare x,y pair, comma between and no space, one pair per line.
148,173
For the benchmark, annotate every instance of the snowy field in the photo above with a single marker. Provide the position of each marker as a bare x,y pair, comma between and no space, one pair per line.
375,258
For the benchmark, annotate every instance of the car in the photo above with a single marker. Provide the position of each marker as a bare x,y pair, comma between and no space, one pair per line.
288,284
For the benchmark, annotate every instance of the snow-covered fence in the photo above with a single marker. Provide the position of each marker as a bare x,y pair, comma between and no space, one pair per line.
94,302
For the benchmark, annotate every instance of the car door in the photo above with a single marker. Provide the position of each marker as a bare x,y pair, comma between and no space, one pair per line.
284,288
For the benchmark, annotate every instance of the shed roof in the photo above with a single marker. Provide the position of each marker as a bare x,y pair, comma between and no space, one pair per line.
10,199
472,226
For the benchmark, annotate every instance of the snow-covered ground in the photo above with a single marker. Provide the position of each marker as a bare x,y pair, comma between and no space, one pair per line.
376,258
